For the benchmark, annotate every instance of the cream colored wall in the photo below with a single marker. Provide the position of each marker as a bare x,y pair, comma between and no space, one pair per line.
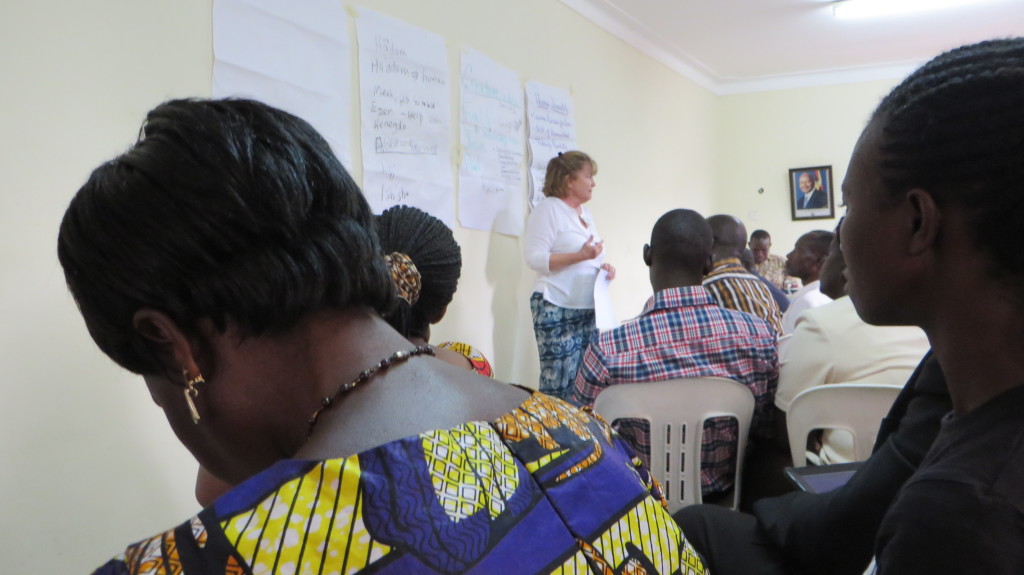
88,462
762,135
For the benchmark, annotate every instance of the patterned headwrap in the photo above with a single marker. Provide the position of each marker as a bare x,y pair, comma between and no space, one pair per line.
405,276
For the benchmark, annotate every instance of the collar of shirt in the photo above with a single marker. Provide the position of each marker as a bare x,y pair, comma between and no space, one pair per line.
688,296
727,265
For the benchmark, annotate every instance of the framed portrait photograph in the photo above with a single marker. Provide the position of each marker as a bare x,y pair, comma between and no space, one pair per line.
811,195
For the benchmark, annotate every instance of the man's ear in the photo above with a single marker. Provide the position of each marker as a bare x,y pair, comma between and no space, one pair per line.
647,254
927,219
709,264
820,263
167,340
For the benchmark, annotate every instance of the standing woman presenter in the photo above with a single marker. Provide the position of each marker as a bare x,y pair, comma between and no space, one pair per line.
562,245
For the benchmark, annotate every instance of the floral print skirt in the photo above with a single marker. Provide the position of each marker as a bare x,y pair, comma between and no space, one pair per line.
562,337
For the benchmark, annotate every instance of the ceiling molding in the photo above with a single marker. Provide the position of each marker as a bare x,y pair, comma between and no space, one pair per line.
625,28
820,78
621,25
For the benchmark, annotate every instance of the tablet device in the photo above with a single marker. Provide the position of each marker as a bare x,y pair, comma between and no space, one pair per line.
822,478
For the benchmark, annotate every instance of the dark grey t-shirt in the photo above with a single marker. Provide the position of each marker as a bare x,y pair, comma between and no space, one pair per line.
963,510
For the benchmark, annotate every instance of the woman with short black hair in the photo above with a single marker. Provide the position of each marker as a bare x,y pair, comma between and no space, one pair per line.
229,259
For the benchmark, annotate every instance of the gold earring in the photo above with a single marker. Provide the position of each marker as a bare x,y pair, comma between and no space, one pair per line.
191,393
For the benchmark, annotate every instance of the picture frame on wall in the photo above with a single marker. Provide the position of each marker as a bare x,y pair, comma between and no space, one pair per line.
811,194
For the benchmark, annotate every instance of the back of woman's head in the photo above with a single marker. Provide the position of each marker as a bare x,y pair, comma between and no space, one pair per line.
433,250
561,169
229,210
955,127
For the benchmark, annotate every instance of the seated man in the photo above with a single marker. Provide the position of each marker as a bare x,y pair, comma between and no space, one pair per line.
766,264
747,259
682,333
729,282
832,344
805,262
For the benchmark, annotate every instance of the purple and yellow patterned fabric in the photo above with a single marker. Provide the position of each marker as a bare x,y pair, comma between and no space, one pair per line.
544,489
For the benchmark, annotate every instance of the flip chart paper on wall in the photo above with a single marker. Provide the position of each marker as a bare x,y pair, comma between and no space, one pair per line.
294,56
406,116
552,130
492,138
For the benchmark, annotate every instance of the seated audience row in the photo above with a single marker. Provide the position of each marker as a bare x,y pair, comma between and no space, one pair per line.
230,260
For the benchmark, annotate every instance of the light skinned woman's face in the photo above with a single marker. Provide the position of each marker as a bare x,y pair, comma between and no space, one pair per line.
581,185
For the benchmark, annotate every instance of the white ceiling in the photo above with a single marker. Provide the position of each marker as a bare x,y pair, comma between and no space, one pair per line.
735,46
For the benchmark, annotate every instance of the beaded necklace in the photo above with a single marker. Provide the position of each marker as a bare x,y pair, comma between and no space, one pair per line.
399,356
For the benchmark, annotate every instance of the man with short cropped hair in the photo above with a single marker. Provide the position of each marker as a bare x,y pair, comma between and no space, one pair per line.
766,264
683,333
805,262
729,282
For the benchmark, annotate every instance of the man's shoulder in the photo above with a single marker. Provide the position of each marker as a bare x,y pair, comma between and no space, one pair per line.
833,311
754,325
610,341
729,269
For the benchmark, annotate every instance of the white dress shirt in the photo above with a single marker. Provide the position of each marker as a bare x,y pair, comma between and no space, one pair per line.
805,298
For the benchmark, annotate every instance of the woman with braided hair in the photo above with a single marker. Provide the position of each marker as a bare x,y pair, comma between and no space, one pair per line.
425,263
230,260
935,205
934,198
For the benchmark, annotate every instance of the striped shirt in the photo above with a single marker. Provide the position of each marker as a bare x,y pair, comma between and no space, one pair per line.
735,288
683,333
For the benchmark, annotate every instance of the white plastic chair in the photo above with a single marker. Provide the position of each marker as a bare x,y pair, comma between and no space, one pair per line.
677,409
855,407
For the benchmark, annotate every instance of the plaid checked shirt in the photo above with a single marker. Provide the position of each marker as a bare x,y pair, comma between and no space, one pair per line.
735,288
682,332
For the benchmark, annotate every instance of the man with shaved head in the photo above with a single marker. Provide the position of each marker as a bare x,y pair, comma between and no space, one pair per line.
681,333
729,282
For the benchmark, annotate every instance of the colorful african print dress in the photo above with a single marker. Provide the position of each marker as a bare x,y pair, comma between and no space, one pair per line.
475,357
543,489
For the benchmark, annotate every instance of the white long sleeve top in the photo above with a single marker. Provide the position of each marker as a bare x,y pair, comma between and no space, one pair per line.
554,227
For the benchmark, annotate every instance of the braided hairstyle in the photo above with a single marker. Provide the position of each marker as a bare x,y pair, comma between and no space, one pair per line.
955,127
432,248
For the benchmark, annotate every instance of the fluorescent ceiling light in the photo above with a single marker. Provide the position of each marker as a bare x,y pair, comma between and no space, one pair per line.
870,8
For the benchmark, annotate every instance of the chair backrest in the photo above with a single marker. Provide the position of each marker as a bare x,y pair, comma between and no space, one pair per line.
855,407
677,409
